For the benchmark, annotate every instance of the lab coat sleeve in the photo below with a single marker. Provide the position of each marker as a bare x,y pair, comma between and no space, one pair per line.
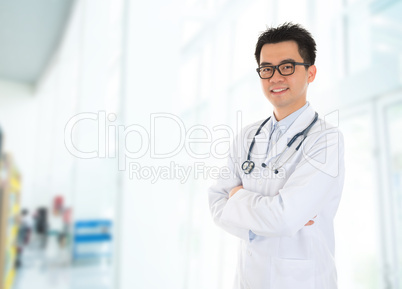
316,182
218,197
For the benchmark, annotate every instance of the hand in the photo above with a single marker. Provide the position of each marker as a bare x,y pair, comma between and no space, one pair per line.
311,222
234,190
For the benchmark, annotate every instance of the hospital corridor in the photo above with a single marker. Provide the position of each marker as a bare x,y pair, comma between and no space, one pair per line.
117,116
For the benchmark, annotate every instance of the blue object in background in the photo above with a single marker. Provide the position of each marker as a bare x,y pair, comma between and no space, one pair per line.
92,239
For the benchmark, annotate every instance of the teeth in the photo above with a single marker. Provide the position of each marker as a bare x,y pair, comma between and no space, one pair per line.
279,90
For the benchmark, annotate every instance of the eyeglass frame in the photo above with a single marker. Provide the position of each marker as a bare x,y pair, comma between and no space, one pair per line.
276,67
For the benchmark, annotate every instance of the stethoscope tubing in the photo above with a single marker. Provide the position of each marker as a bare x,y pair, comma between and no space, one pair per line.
248,165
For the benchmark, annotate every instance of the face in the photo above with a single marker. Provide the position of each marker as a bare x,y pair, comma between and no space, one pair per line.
286,93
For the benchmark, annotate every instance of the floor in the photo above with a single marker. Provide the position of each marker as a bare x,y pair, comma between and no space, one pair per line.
41,270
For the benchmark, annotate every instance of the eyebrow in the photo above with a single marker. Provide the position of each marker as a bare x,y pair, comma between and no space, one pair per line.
283,61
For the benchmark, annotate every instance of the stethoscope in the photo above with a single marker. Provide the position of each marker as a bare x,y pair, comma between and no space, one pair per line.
249,165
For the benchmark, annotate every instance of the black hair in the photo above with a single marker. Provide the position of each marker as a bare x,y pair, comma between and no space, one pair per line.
289,32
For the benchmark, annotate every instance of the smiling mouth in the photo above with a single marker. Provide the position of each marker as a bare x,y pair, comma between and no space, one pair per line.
279,90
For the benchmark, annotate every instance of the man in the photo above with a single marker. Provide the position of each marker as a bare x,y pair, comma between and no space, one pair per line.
282,195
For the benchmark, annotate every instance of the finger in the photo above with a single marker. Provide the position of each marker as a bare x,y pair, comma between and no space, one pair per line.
309,223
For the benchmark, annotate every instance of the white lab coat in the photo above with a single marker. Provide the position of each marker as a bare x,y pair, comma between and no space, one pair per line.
277,250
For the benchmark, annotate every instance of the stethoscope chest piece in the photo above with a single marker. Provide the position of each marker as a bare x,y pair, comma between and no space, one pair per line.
248,166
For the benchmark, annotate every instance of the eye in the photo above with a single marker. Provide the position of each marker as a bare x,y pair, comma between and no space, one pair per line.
266,69
287,66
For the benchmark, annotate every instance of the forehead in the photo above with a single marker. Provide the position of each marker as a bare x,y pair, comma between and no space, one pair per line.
276,52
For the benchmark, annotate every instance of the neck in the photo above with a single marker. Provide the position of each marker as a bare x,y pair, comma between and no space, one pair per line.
282,112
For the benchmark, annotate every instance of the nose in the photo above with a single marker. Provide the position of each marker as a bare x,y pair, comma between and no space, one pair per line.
277,77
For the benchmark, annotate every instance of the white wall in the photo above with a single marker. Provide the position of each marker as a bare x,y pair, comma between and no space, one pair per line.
152,255
18,115
78,80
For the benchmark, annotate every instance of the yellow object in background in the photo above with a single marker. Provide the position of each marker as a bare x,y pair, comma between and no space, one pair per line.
9,219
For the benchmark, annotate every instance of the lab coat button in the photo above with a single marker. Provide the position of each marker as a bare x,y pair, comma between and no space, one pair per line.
249,252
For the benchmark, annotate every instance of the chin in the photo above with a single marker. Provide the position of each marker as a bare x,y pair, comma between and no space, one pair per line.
277,102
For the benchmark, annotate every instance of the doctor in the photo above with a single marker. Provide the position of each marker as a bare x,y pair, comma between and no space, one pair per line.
281,199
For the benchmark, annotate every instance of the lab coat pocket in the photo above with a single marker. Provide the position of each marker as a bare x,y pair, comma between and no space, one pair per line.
292,273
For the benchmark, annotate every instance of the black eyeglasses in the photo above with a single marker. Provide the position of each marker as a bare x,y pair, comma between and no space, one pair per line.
285,69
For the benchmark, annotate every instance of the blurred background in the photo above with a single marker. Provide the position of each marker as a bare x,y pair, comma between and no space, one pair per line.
95,95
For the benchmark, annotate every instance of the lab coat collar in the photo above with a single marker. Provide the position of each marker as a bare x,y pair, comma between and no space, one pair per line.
304,119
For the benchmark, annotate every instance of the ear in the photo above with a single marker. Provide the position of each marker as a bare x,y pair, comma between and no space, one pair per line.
312,71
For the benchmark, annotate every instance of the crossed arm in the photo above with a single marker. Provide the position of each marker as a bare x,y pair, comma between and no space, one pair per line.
320,177
236,189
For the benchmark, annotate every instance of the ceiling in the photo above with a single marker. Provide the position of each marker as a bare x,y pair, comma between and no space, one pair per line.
30,32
